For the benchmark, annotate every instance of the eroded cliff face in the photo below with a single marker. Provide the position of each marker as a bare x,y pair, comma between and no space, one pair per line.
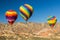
23,30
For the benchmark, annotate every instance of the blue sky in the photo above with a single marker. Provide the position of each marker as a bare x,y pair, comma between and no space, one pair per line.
42,9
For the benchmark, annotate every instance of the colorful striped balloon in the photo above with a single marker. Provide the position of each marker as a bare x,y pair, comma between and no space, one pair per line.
26,11
52,20
11,16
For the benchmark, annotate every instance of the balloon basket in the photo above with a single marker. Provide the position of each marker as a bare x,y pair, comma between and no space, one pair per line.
53,30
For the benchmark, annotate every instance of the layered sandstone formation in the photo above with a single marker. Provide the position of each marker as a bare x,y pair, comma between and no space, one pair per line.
18,31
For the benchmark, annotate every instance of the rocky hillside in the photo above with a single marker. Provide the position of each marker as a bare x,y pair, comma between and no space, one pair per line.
29,31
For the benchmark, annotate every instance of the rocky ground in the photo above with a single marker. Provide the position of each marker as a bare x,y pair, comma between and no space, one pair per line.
29,31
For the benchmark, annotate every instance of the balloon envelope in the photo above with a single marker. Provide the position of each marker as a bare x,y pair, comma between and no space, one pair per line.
11,16
52,20
26,11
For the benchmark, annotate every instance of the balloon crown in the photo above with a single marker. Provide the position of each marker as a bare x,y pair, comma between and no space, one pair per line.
10,10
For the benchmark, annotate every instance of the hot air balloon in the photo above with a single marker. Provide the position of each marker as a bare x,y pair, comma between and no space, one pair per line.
51,21
26,11
11,16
